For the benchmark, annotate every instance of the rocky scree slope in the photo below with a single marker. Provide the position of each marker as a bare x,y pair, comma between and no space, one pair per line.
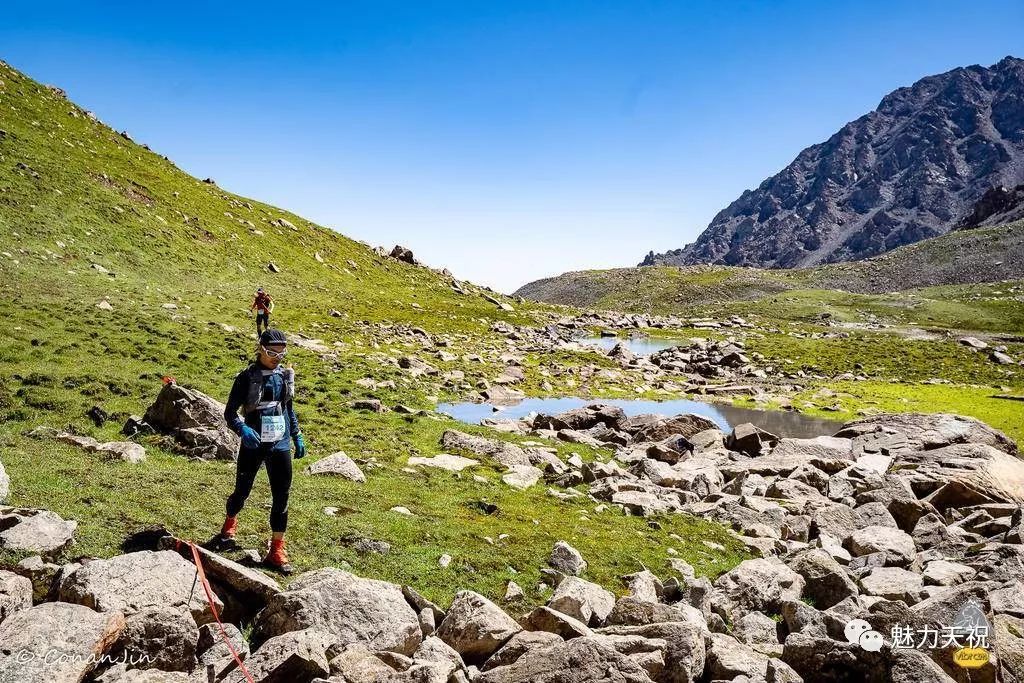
907,171
903,521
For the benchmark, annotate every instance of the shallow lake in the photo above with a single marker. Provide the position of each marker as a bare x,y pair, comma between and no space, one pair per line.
782,423
640,346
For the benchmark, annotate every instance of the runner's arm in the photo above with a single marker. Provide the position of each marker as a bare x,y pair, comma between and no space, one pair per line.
293,421
235,401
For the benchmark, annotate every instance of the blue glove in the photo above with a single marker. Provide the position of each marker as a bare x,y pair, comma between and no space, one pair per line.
300,447
250,439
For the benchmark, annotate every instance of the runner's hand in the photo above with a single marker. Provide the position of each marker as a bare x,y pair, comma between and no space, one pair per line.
250,439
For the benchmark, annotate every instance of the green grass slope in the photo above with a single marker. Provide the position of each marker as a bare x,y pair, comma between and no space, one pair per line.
87,215
967,258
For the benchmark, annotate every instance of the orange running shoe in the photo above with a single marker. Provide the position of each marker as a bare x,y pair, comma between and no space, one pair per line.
277,558
230,528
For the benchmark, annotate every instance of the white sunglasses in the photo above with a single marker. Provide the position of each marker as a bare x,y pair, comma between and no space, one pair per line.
273,354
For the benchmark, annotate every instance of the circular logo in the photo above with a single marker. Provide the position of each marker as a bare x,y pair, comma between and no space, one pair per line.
855,629
871,641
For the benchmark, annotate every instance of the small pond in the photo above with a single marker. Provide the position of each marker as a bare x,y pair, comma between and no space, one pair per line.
640,346
782,423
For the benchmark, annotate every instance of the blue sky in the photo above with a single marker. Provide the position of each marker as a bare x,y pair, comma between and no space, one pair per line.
505,140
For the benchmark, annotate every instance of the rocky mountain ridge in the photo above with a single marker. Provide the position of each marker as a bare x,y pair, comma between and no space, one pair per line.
907,171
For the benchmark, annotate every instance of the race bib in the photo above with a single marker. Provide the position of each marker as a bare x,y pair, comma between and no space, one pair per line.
273,428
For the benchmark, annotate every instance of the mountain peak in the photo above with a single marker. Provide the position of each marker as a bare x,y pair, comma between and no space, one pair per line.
909,170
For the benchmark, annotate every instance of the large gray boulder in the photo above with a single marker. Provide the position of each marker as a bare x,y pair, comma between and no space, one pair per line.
759,585
338,465
583,600
135,581
35,531
351,608
681,425
358,664
930,431
962,475
518,645
160,637
552,621
194,421
503,452
567,559
759,631
580,660
630,611
898,546
1008,642
211,648
818,658
475,627
750,439
433,649
822,453
644,585
826,581
249,585
728,659
684,652
55,642
893,583
15,593
821,448
291,657
586,417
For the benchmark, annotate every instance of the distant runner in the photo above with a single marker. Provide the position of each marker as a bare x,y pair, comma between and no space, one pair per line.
263,305
265,392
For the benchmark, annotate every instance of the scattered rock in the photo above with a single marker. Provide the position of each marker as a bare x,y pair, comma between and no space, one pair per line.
294,656
574,661
352,609
475,627
445,461
403,254
15,593
751,440
338,465
160,638
582,600
39,532
553,621
136,581
522,476
194,421
55,641
567,559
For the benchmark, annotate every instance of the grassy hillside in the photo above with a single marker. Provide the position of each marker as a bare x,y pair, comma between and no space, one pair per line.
87,216
967,259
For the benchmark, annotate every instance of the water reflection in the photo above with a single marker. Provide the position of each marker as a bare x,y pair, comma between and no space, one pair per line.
640,346
791,424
